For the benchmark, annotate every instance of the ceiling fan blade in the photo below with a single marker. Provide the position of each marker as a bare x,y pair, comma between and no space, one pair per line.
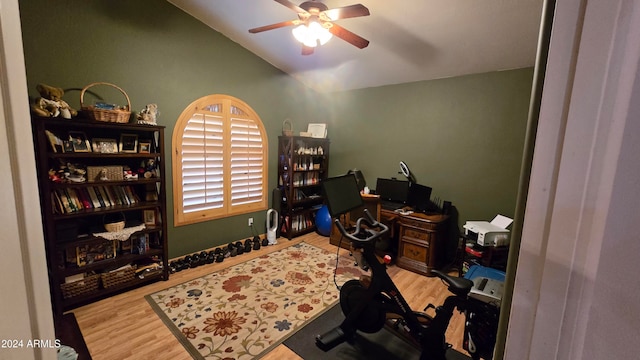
346,12
348,36
291,6
274,26
307,50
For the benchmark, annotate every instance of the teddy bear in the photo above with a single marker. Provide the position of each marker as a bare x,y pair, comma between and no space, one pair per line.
50,103
148,115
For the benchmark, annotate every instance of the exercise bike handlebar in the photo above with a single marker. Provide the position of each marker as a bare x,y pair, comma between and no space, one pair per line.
367,234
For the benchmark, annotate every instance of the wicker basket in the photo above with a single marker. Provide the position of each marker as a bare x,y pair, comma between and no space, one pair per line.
117,116
80,287
287,127
118,277
113,226
112,173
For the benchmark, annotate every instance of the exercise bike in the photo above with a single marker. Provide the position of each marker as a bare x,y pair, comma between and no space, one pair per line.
374,302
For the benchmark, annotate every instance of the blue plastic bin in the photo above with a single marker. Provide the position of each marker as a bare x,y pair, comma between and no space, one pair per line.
483,271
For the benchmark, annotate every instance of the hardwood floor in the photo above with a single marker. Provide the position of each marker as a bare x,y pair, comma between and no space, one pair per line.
125,327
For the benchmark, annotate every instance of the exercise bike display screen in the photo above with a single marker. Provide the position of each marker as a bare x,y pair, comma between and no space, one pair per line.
342,194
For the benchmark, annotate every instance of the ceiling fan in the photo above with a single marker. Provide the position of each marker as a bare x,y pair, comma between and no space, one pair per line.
316,16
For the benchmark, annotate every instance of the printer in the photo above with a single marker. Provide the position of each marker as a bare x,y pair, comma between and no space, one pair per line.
494,233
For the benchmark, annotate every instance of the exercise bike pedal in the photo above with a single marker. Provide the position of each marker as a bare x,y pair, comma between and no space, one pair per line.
331,339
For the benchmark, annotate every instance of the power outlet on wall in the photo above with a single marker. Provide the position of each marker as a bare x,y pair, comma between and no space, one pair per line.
250,222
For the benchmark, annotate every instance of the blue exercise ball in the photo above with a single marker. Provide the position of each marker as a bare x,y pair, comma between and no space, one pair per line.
323,221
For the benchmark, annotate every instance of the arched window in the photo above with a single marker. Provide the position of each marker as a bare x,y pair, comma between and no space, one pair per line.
219,160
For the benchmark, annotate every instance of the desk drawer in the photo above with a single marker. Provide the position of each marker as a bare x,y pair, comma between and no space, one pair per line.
419,242
416,223
417,234
414,252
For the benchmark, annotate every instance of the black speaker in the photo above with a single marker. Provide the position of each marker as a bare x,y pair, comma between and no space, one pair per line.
446,207
276,204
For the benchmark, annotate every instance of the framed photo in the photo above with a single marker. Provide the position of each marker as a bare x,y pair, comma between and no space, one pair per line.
149,217
125,246
144,147
56,143
140,244
79,141
104,145
67,146
129,143
317,130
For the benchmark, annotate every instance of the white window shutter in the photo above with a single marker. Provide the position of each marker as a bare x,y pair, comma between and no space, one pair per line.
246,162
222,154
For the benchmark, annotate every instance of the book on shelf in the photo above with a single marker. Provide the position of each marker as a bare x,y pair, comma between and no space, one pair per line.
131,195
69,200
75,195
105,195
72,203
93,197
119,195
58,208
83,195
111,195
102,197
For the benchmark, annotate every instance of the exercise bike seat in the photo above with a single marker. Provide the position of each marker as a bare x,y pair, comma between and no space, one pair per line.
457,285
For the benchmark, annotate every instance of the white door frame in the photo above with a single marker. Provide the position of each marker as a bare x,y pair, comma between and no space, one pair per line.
586,117
24,286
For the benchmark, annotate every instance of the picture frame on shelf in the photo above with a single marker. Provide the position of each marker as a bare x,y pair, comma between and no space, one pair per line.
129,143
144,147
317,130
55,142
67,146
149,217
140,244
79,141
151,192
125,246
105,146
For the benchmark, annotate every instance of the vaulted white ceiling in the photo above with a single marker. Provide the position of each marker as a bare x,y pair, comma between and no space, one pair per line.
410,40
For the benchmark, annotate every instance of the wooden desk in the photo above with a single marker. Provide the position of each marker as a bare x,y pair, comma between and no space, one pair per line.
421,240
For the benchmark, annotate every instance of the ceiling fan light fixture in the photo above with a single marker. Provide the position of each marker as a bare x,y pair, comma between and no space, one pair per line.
312,34
314,25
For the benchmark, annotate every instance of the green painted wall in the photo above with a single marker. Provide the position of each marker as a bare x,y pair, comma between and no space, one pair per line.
462,136
158,54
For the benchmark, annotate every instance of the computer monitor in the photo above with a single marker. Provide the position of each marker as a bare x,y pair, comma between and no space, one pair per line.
341,194
419,197
392,190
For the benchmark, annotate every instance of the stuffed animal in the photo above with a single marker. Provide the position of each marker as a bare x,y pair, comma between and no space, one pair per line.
50,103
148,115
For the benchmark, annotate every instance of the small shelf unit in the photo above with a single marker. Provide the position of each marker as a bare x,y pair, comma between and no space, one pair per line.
303,163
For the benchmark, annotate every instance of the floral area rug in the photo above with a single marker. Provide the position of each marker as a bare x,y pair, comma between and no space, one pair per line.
246,310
